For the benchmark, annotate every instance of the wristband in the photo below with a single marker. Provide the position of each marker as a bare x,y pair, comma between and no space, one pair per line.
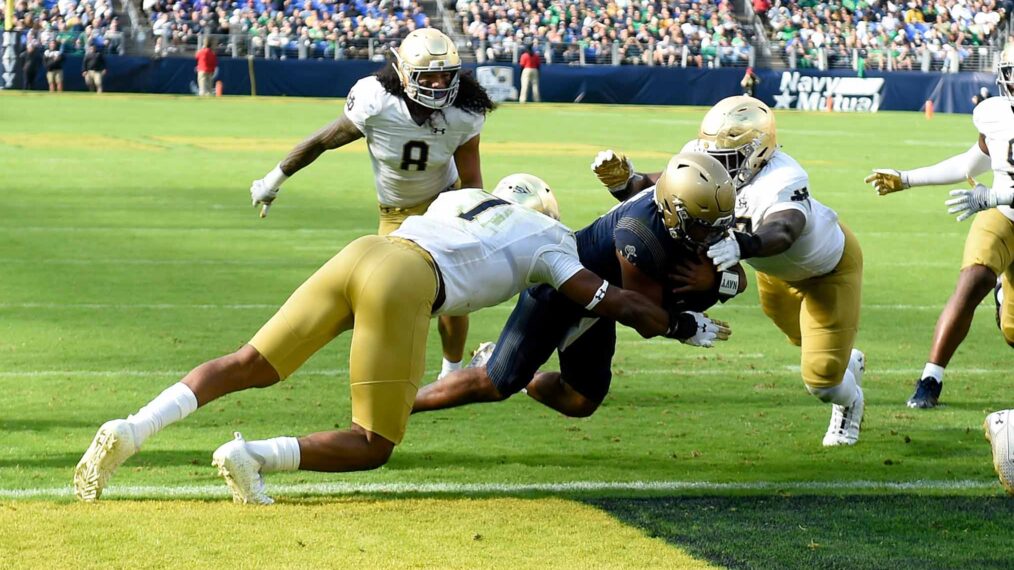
681,326
275,178
598,296
728,285
749,244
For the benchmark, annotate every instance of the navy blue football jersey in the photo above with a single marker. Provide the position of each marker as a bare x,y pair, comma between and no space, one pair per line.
635,229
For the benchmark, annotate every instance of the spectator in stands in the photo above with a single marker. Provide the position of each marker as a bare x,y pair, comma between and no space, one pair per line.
207,63
53,59
530,63
94,65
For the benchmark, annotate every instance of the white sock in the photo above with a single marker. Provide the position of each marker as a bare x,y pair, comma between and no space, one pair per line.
843,394
934,371
172,405
276,454
449,367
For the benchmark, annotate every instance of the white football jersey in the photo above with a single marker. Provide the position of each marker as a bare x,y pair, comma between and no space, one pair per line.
995,120
783,185
412,163
488,250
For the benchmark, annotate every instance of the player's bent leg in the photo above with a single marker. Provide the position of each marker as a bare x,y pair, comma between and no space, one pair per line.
1005,306
549,389
781,303
464,386
117,440
355,449
243,369
453,335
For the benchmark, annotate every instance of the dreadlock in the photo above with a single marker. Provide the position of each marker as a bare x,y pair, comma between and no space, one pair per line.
471,96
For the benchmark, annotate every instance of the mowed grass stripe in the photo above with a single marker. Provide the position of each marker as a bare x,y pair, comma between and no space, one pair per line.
625,370
569,487
349,533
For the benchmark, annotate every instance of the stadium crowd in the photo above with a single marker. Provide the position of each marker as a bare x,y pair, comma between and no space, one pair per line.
282,29
73,24
643,32
919,34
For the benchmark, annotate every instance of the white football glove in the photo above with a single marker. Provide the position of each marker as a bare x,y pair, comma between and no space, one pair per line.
967,203
708,332
887,180
725,253
612,170
264,191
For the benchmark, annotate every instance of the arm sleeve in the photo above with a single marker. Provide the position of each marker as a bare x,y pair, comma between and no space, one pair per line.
556,264
972,162
639,246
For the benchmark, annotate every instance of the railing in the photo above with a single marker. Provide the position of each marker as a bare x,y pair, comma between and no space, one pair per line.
949,60
117,43
275,46
619,53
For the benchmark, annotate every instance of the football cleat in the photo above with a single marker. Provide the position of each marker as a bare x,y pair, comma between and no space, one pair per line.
927,393
242,472
999,434
481,355
113,444
846,422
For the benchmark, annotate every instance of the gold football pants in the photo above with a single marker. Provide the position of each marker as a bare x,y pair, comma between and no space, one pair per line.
990,243
383,289
820,314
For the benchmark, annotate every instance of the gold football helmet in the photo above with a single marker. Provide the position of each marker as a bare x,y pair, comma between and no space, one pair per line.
740,132
1005,72
428,50
528,191
697,198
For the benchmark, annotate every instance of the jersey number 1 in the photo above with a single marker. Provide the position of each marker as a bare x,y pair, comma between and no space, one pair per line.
415,153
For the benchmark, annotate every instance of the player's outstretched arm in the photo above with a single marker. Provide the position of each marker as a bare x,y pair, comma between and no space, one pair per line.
640,313
616,173
777,234
338,133
972,162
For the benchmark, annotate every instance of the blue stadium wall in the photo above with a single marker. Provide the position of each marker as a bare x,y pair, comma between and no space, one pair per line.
903,91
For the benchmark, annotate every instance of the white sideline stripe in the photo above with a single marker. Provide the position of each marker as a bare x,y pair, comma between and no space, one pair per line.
676,370
986,304
200,491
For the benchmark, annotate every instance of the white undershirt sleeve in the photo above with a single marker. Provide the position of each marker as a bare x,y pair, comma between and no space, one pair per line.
972,162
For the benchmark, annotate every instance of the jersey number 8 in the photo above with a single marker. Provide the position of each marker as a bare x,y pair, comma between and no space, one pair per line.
415,154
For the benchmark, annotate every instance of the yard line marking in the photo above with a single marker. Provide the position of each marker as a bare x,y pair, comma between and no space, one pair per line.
326,489
617,368
987,304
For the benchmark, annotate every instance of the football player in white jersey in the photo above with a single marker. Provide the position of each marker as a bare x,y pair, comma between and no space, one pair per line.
989,247
468,251
809,265
421,118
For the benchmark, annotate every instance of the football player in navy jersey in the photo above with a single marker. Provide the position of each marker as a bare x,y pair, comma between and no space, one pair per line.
661,231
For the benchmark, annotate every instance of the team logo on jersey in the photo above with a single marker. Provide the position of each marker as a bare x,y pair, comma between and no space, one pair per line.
847,94
437,131
630,252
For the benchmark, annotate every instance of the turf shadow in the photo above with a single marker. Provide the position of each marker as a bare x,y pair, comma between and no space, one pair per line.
899,531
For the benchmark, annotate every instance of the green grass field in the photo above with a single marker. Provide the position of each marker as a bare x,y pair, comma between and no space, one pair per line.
129,253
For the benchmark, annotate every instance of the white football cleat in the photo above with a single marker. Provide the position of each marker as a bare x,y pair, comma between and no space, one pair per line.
242,472
999,434
113,444
845,423
481,355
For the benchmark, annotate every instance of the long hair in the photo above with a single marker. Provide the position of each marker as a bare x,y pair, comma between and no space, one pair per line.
471,96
